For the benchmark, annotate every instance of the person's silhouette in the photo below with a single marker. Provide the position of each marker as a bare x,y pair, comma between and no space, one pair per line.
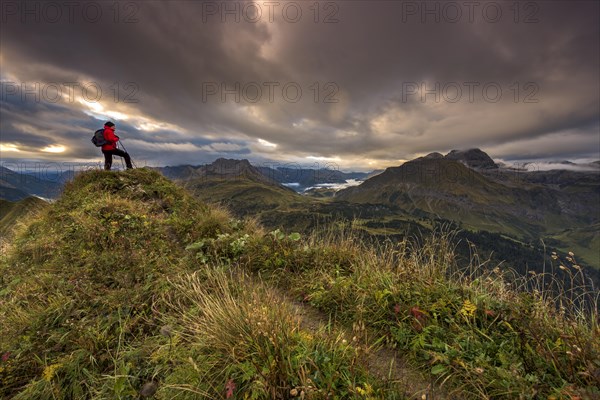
110,148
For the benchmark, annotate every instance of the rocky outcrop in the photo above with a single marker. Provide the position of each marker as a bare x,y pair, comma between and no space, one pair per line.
473,158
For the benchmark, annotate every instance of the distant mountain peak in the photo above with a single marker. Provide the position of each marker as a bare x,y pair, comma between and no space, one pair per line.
231,163
431,156
232,168
474,158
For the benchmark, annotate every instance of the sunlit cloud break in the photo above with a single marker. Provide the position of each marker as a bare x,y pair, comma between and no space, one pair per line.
9,147
266,143
54,149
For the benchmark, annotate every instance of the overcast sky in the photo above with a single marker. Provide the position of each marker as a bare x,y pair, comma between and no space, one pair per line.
357,84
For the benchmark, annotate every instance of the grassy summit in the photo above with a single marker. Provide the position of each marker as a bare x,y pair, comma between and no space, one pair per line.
97,301
128,286
80,281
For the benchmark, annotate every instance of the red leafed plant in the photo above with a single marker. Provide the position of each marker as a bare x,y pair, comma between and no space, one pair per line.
418,313
420,318
229,388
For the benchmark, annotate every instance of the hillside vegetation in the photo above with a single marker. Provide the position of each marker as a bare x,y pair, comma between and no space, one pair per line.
13,212
129,287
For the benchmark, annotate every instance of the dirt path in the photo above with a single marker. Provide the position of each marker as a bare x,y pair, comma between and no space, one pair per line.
383,362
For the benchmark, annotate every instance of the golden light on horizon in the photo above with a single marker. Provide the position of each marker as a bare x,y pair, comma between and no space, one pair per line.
321,158
54,148
8,147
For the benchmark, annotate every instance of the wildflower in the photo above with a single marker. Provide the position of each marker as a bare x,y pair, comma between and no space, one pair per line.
396,309
294,392
5,356
50,371
229,387
468,309
367,390
307,337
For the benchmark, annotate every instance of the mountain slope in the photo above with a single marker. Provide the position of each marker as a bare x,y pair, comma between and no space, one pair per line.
16,186
450,190
11,213
539,204
240,186
228,168
221,168
537,197
11,193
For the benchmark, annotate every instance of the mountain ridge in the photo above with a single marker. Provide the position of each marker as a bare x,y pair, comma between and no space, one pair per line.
128,286
16,186
528,205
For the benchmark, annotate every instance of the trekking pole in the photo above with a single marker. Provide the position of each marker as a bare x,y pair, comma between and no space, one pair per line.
122,162
125,150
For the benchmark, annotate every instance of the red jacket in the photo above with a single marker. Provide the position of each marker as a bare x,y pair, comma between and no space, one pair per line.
110,137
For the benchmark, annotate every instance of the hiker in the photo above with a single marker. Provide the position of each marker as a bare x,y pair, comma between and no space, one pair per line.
110,148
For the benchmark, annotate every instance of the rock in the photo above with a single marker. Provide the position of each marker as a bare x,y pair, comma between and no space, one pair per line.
166,330
149,389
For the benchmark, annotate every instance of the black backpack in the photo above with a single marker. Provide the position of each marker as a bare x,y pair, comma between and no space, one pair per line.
98,138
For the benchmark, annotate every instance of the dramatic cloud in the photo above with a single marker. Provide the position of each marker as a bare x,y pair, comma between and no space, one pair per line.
362,84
